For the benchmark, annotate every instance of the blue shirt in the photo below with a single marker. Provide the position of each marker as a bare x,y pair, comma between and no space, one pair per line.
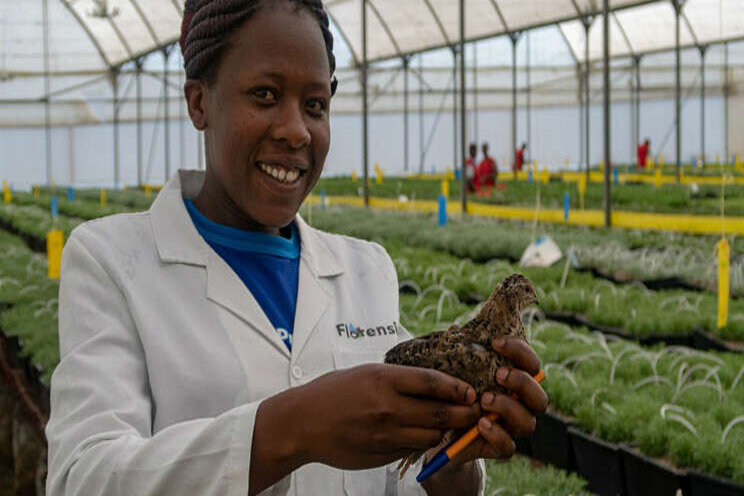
268,265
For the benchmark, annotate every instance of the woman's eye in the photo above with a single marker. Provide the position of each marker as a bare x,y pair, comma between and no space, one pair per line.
266,94
316,105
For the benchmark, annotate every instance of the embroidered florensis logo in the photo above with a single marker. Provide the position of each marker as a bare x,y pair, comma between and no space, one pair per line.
351,331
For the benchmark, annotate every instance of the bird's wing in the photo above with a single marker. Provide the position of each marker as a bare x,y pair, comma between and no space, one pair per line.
418,352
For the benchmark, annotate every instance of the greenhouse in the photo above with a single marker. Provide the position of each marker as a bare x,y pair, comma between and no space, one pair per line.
595,147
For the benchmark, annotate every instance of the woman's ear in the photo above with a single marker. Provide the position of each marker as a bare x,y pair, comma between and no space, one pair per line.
195,92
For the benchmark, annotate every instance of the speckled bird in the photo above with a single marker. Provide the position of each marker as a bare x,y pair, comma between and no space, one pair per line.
466,352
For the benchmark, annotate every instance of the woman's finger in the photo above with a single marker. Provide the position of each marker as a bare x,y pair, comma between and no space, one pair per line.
420,412
526,388
519,353
515,418
499,444
415,381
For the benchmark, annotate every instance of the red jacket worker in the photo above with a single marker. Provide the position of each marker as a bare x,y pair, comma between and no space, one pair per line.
643,150
519,157
488,171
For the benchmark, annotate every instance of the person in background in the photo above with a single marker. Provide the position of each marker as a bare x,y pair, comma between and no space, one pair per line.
519,157
471,169
643,149
488,171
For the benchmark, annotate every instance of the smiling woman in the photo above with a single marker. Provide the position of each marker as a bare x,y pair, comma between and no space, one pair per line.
199,342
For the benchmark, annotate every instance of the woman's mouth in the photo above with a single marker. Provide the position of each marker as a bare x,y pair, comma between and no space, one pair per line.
280,173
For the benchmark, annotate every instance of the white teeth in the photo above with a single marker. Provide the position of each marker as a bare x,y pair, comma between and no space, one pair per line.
280,173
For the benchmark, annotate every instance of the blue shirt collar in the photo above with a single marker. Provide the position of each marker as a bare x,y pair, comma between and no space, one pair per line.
247,241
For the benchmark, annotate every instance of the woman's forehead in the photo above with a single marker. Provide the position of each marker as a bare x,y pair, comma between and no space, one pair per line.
280,40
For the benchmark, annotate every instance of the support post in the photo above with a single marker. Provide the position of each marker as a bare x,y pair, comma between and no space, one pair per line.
528,89
181,119
587,96
421,115
726,92
703,49
115,88
677,85
140,160
513,142
631,111
47,94
406,62
637,62
607,142
582,136
476,130
455,161
463,113
166,116
365,109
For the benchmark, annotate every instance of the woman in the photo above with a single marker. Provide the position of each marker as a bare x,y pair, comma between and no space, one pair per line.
217,344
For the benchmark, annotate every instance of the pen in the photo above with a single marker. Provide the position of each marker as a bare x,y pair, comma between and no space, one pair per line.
448,452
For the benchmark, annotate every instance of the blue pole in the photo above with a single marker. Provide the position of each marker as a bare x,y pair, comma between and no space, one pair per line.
322,199
529,175
70,194
566,205
442,210
615,176
53,207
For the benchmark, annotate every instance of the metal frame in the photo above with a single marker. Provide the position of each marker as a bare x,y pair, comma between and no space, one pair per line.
463,113
607,118
365,109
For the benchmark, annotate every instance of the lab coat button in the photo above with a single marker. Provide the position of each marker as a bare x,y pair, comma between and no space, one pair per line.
297,372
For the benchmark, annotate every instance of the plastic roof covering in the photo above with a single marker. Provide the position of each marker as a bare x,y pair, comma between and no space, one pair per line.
81,39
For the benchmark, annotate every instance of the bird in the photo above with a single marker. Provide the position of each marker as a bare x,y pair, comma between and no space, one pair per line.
466,352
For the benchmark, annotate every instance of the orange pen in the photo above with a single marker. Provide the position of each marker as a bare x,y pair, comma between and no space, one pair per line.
448,453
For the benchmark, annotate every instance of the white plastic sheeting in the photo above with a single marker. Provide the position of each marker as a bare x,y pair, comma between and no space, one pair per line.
95,35
83,35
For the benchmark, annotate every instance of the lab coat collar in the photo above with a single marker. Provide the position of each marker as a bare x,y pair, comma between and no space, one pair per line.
178,241
175,235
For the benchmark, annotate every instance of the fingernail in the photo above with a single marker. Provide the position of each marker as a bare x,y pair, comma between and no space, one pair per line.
470,396
498,343
502,374
485,423
488,398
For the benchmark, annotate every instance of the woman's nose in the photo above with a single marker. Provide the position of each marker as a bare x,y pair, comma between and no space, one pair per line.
291,127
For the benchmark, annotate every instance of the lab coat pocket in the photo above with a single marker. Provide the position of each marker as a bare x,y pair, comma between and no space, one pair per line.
365,482
344,358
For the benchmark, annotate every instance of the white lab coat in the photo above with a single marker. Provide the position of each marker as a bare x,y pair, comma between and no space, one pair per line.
166,356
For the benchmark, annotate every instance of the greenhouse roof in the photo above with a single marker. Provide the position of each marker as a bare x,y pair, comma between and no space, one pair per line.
93,36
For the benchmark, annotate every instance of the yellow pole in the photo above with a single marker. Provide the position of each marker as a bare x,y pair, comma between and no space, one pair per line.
55,241
445,188
582,190
103,198
7,197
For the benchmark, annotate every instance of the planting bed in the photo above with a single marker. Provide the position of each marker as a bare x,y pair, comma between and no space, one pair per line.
627,197
619,254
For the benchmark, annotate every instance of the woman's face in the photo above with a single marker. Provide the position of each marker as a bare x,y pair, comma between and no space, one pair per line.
266,120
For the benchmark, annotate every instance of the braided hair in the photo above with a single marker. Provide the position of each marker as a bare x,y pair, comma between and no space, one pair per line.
207,25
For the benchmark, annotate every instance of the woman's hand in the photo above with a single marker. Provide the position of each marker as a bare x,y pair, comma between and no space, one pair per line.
357,418
371,415
515,414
